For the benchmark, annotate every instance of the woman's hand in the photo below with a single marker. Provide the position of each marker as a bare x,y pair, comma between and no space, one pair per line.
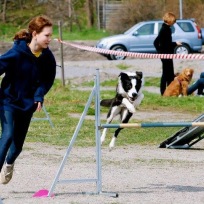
39,106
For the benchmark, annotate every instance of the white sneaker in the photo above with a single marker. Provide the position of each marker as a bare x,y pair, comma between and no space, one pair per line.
6,173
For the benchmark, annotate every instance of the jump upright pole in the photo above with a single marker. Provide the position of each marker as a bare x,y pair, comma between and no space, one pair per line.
97,133
98,141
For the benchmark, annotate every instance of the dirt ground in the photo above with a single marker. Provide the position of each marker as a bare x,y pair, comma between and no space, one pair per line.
138,174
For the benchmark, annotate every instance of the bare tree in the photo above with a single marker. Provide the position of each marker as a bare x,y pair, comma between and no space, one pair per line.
4,11
90,13
72,16
20,3
1,6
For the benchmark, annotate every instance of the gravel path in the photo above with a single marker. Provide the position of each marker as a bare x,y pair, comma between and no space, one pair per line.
139,174
150,67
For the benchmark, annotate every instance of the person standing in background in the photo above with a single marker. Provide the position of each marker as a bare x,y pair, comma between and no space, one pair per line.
164,45
29,69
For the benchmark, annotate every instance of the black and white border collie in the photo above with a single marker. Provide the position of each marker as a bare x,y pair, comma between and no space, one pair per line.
128,96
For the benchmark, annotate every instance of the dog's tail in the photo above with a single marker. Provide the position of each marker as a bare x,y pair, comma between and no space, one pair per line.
106,102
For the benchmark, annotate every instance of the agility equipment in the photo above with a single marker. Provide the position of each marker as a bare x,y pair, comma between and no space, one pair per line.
42,193
197,124
153,125
187,136
98,179
47,117
192,133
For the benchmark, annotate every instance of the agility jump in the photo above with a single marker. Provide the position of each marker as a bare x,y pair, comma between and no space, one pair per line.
96,92
98,126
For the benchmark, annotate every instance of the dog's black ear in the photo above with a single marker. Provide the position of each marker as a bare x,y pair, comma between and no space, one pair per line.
139,74
120,74
123,75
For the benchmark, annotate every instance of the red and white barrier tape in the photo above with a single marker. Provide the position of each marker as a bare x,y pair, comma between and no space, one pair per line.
134,54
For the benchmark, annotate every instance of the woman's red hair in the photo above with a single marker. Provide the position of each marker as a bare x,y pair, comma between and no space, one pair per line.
36,24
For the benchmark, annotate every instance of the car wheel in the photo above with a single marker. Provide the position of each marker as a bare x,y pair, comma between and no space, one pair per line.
109,57
182,49
118,57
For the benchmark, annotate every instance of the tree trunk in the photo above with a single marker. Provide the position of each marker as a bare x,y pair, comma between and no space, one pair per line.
90,13
4,11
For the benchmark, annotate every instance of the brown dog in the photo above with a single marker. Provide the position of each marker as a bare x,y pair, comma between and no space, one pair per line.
179,85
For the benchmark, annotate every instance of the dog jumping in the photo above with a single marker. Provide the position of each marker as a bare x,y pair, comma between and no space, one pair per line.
179,86
128,97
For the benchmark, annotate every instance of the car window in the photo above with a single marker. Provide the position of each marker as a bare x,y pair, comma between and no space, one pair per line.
130,30
147,29
172,29
186,26
160,25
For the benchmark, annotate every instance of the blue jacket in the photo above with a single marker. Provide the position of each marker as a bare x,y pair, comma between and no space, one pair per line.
26,78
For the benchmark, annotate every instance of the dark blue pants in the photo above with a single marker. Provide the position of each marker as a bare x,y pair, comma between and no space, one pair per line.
167,74
14,129
199,84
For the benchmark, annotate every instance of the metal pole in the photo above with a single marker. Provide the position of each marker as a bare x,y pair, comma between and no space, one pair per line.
61,52
180,8
97,133
98,14
98,140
